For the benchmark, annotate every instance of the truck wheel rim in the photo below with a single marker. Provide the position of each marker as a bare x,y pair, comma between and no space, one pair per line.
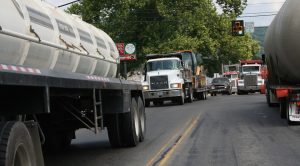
142,121
21,157
136,122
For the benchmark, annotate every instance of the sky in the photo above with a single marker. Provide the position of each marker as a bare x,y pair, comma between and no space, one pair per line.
254,8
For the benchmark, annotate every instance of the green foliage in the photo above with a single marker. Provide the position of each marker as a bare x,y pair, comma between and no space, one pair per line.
169,25
232,7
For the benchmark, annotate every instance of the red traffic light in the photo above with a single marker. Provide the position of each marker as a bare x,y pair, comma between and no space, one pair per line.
238,28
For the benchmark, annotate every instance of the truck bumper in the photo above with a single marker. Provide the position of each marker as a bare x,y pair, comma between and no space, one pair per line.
249,88
218,90
162,95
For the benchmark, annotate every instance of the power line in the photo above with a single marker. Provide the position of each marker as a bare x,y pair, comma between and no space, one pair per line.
266,3
263,15
70,3
260,13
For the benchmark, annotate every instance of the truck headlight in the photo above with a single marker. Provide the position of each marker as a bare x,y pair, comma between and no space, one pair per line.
176,85
145,87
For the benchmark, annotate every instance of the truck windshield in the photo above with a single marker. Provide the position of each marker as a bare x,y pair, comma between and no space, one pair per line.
250,68
163,65
220,80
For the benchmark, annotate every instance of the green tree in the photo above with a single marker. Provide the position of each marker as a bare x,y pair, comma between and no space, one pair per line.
169,25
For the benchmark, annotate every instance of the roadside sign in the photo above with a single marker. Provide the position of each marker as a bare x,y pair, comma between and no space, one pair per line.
127,51
249,27
121,48
130,48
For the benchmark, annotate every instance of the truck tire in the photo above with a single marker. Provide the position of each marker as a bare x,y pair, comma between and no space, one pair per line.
181,98
113,124
142,119
202,95
240,92
147,103
190,95
130,127
16,148
283,108
229,92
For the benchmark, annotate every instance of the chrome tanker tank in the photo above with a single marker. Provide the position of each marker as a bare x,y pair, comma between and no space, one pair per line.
282,45
38,35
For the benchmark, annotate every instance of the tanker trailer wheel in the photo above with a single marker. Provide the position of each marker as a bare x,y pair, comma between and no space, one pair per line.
16,145
142,119
130,127
113,124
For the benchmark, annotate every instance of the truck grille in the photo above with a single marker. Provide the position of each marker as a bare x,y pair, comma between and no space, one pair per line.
250,80
159,82
219,86
233,83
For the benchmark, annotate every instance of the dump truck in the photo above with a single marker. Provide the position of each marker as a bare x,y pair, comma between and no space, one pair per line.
59,74
282,54
174,76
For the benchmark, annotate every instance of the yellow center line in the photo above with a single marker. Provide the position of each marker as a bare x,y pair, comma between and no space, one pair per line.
191,124
184,135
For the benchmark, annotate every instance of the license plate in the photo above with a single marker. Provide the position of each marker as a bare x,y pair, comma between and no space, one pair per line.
160,93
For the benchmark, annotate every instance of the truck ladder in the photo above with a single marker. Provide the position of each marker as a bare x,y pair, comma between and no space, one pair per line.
98,114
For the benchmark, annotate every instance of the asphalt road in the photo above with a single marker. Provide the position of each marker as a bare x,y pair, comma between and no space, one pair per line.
222,131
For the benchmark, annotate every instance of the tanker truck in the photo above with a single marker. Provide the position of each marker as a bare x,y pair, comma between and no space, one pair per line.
282,53
59,74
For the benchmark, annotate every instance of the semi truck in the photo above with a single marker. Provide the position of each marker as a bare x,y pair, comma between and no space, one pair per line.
232,73
174,76
282,54
59,74
250,79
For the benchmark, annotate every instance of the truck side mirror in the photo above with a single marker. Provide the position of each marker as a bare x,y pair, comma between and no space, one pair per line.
263,58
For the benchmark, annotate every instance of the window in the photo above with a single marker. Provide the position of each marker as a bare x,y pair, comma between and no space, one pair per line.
39,18
84,36
220,80
100,43
163,65
250,68
65,28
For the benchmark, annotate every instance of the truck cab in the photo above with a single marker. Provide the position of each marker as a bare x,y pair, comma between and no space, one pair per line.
233,78
232,73
173,76
250,76
163,80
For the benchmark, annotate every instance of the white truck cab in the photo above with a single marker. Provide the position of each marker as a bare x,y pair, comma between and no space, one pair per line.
250,77
163,80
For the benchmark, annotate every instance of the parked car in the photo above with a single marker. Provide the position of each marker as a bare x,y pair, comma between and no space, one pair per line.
220,85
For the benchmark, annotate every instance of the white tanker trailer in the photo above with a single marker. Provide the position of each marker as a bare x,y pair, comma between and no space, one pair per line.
282,55
66,42
59,74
